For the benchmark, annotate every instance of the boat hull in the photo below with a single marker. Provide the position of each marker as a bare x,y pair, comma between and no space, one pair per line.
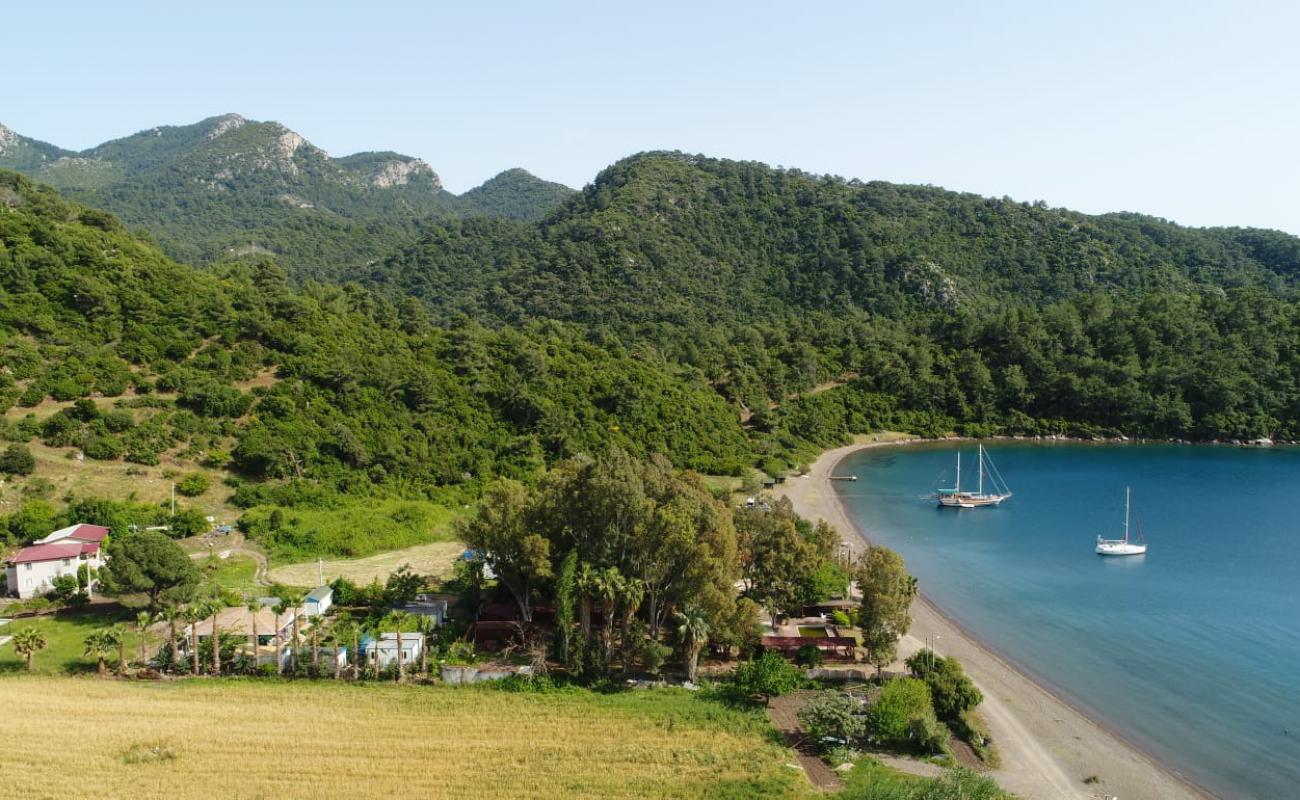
971,500
1120,548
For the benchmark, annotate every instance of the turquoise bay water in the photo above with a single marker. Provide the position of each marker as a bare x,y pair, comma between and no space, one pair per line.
1192,651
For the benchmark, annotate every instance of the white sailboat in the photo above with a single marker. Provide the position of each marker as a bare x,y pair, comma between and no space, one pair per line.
1122,547
956,498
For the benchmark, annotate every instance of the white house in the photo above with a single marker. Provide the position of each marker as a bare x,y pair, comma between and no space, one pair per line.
386,647
31,572
318,601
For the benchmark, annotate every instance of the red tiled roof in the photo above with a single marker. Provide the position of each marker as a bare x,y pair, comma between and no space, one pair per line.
53,552
88,533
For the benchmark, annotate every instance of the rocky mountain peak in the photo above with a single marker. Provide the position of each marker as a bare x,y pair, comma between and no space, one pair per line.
7,137
225,124
400,173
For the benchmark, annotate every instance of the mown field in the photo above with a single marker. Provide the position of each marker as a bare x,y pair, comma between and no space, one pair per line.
270,739
434,559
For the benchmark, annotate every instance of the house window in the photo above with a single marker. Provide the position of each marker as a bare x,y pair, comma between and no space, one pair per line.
28,565
67,562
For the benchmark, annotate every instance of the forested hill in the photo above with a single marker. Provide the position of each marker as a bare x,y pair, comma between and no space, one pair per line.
232,366
773,282
227,187
515,194
662,234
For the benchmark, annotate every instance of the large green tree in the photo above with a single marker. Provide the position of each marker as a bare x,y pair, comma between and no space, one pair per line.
502,531
887,593
149,563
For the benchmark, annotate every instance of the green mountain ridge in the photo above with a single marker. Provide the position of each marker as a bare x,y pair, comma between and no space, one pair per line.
228,186
774,282
725,314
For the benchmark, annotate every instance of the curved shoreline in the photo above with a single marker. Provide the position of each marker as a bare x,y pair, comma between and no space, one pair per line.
1049,745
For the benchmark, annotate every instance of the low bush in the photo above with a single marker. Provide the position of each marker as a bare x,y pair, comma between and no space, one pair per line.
951,690
765,677
835,719
903,717
193,484
17,460
808,656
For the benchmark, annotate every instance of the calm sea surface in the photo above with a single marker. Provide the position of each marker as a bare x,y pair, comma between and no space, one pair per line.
1192,650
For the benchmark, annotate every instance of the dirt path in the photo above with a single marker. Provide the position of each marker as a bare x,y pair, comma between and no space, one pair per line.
784,712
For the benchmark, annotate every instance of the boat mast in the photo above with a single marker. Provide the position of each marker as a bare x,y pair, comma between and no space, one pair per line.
1127,491
981,491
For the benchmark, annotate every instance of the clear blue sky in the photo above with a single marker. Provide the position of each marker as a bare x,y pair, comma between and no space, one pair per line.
1187,110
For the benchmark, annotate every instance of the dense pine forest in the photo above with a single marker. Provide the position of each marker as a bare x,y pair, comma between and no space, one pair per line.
986,315
726,315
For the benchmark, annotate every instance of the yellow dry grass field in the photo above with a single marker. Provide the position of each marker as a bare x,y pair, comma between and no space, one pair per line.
88,737
426,559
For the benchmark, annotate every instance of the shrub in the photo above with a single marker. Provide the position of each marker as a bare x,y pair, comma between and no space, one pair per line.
927,735
767,676
840,618
841,754
31,396
17,460
119,420
103,448
808,656
952,691
653,655
835,718
194,484
216,458
149,753
65,586
891,717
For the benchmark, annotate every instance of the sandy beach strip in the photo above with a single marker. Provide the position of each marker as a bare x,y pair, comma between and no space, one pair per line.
1048,747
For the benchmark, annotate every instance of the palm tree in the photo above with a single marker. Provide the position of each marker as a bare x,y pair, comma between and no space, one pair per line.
355,631
334,635
424,626
609,587
693,627
99,645
586,585
296,600
633,592
118,633
27,642
254,608
397,620
174,614
280,608
315,647
143,620
194,614
215,609
378,638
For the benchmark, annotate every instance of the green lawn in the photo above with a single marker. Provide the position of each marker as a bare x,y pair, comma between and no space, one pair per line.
66,634
235,572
